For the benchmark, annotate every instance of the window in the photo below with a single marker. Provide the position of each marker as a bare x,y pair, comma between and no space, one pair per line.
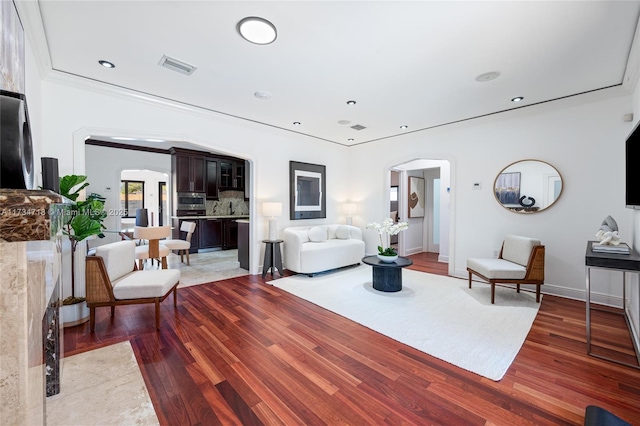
131,196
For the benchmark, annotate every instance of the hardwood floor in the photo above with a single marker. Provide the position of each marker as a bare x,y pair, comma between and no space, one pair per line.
240,351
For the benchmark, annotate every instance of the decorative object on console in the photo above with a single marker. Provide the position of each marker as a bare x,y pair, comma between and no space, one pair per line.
17,168
608,233
272,210
388,228
307,191
142,217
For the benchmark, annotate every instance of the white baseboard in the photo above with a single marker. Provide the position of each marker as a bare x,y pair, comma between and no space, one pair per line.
443,258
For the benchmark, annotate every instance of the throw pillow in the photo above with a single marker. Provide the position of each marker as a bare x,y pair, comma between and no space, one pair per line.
317,234
394,215
343,232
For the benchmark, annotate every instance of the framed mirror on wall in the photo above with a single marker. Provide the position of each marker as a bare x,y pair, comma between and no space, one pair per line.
528,186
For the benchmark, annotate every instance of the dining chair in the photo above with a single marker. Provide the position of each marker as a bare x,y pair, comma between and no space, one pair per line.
153,249
183,246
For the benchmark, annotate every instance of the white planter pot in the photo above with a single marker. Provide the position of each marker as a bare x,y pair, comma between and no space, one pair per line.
387,259
75,314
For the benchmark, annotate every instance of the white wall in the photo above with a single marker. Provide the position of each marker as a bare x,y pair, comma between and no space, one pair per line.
76,110
582,137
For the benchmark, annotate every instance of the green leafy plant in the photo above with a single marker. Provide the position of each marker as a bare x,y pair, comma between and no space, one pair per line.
389,251
82,220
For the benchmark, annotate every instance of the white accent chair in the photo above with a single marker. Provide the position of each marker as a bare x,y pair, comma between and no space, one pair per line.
312,249
183,246
521,261
112,279
152,250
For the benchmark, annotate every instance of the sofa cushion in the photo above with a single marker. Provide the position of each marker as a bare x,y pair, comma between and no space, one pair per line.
119,258
343,233
518,249
318,234
497,268
144,284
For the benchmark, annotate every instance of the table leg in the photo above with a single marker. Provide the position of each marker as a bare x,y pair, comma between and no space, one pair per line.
268,260
588,305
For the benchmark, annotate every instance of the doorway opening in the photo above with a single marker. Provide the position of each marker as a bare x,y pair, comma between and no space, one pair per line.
419,195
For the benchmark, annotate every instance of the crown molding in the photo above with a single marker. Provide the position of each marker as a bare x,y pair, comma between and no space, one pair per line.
29,12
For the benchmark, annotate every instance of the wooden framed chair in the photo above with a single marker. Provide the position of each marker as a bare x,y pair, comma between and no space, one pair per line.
112,279
183,246
152,250
521,261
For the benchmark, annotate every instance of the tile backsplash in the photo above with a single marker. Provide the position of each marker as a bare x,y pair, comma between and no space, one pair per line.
230,202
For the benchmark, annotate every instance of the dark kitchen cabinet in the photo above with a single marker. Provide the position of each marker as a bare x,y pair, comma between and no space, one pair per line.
212,179
231,175
211,233
230,240
188,171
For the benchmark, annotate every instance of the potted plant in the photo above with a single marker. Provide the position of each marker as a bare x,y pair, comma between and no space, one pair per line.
386,253
82,219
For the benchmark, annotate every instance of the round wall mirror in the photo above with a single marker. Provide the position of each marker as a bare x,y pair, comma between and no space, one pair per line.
528,186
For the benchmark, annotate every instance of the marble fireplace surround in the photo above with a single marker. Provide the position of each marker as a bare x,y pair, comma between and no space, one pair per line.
30,263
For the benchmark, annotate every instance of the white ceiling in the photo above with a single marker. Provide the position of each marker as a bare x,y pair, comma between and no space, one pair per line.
405,63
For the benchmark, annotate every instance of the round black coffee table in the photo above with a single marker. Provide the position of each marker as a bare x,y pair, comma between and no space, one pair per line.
387,276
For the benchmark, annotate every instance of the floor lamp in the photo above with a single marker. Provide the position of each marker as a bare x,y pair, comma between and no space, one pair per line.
272,210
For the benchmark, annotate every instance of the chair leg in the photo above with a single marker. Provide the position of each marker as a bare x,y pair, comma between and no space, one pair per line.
140,264
187,253
518,288
469,279
164,263
157,313
175,297
92,319
537,293
113,311
181,256
493,293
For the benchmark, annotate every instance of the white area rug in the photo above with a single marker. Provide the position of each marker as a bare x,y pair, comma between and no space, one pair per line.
435,314
102,387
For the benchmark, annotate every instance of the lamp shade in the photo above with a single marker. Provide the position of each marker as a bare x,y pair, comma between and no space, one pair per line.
349,208
272,209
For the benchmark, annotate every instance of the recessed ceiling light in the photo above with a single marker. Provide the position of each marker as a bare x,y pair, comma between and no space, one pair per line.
262,95
296,123
350,140
488,76
106,64
404,126
517,99
257,30
343,122
351,102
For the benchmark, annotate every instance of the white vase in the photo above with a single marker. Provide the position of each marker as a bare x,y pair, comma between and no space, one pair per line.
387,259
75,314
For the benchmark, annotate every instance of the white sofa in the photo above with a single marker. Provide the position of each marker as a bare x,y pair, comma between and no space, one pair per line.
313,249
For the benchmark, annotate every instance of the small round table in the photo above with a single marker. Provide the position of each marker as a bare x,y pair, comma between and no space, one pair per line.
387,276
272,257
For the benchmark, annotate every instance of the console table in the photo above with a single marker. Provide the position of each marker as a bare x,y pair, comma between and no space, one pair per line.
618,262
387,276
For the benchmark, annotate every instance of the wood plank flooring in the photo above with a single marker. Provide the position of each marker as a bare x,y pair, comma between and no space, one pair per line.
242,352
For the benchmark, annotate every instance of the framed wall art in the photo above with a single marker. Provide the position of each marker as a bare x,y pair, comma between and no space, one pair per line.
307,191
11,49
416,196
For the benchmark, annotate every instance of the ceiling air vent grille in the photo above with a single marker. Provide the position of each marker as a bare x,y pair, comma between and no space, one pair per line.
358,127
176,65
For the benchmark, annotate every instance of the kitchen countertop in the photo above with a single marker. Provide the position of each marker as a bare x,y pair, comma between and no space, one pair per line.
235,216
243,220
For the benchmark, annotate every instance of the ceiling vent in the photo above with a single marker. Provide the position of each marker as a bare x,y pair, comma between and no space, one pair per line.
358,127
176,65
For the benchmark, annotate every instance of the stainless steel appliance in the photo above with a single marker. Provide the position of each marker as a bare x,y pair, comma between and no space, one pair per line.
194,202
